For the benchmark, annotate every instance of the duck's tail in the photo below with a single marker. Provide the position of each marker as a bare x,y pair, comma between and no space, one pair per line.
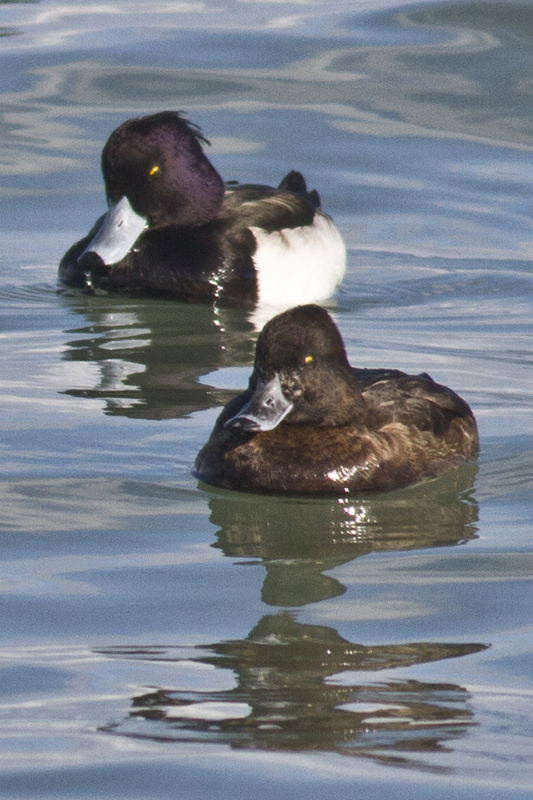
295,182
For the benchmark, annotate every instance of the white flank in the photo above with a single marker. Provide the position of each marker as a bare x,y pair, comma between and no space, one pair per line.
296,266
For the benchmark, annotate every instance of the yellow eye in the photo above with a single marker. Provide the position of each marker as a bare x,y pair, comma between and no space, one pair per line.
155,170
308,359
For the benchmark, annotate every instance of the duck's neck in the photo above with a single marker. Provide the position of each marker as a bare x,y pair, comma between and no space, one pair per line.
198,187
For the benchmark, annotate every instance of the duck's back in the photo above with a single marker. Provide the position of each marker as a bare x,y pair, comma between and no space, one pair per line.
413,400
298,253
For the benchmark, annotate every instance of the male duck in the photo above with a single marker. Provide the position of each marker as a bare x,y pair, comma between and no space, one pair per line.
309,423
174,229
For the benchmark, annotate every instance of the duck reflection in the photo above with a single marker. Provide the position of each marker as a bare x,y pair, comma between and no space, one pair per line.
144,358
286,698
301,687
298,540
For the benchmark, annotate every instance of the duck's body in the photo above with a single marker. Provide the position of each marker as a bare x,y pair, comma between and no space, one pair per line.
190,237
311,424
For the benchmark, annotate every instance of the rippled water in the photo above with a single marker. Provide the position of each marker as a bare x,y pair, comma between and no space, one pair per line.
164,639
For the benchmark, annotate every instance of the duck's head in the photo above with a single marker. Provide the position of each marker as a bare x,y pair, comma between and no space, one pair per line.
156,175
301,375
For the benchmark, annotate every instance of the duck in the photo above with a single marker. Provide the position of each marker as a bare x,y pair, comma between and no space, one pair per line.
175,230
311,424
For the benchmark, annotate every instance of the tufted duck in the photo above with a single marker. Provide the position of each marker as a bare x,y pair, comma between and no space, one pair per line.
174,229
309,423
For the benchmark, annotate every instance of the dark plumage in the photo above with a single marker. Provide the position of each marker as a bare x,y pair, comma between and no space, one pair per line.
309,423
175,230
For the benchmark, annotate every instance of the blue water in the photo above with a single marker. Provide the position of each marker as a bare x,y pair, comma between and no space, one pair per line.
164,639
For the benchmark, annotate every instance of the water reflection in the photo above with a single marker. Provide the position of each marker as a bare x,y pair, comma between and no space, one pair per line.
298,541
286,695
286,698
150,355
8,30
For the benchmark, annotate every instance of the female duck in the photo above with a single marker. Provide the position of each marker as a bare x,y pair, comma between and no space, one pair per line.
311,424
174,230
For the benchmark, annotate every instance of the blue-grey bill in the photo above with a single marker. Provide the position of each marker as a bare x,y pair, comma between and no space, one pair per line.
264,412
120,229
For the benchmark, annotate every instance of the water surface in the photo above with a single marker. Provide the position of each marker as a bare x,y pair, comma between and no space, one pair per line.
165,639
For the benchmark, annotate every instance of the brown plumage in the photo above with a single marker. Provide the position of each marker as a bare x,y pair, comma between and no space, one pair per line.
311,424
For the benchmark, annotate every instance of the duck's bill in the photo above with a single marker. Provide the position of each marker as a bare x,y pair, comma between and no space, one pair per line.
267,408
120,229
